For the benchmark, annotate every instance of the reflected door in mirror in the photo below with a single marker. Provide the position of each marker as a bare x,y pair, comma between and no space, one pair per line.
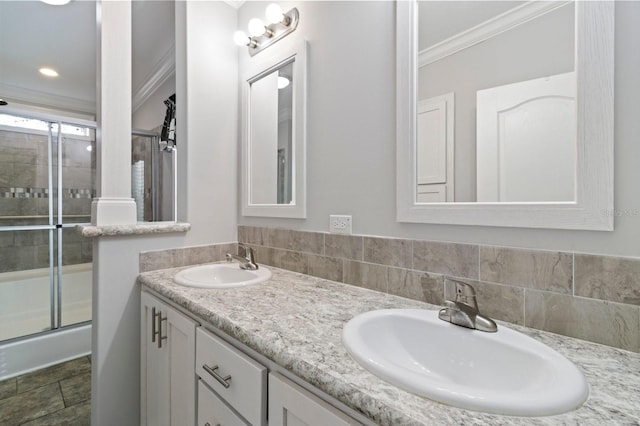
271,99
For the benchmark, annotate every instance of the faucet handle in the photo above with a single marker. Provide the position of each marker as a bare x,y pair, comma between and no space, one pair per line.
462,292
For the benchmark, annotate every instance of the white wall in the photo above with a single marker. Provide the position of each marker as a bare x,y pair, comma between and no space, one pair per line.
206,91
351,141
151,113
207,117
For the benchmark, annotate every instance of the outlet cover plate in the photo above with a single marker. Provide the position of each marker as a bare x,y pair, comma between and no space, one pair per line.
340,224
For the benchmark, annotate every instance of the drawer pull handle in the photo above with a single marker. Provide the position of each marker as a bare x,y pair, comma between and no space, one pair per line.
224,381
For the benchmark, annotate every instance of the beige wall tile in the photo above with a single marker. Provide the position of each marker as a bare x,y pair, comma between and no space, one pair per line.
541,270
229,248
343,246
325,267
608,278
367,275
265,255
161,259
201,254
253,235
417,285
597,321
306,242
292,261
457,260
388,251
500,302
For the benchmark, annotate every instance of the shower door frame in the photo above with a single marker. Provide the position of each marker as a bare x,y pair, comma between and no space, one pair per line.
55,221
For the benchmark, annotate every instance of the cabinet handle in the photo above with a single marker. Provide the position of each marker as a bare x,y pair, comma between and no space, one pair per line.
153,324
157,329
224,381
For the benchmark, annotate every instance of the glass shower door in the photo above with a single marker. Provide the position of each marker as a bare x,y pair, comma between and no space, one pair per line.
75,160
47,181
27,229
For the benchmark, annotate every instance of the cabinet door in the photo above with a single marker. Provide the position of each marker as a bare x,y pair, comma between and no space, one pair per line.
213,412
167,365
154,367
291,405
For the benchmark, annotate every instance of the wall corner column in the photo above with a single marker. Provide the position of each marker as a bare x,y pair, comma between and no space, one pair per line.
114,205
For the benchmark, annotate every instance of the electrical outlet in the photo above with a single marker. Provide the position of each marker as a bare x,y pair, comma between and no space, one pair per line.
340,224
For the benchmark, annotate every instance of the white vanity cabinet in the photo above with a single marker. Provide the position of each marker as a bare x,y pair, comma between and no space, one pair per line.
236,378
213,412
291,405
196,376
167,352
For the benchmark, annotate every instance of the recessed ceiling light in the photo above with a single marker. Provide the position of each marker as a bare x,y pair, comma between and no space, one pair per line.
56,2
49,72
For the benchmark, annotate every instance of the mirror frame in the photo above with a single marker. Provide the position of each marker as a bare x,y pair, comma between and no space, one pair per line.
258,67
593,208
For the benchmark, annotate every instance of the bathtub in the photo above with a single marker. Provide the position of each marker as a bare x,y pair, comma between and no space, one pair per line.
25,311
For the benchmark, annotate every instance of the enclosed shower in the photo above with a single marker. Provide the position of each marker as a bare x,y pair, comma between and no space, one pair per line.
47,182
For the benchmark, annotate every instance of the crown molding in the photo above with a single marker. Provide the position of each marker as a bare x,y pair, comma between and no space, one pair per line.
488,29
46,100
235,3
163,70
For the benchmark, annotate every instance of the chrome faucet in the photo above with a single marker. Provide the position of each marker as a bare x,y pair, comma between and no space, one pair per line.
463,310
245,256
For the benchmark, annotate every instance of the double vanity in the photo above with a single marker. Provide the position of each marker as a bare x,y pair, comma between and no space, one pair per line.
293,349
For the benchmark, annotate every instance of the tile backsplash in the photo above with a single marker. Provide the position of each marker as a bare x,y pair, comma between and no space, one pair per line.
590,297
594,298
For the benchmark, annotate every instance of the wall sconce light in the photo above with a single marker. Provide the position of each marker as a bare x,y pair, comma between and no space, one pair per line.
262,36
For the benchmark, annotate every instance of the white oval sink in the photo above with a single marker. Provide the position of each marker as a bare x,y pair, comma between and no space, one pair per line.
501,373
221,275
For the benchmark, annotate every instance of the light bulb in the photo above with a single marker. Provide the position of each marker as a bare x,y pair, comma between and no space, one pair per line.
256,27
240,38
282,82
274,13
56,2
49,72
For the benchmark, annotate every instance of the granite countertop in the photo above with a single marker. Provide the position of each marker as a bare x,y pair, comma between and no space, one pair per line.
296,321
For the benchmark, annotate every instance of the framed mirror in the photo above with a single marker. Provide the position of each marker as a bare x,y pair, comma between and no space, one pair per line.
500,125
274,135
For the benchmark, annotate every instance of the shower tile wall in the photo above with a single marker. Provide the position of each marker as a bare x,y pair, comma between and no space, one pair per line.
24,199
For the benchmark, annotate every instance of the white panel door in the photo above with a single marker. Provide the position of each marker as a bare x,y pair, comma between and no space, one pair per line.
263,110
526,141
435,143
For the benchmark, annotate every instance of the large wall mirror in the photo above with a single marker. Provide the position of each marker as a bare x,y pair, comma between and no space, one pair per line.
505,113
273,136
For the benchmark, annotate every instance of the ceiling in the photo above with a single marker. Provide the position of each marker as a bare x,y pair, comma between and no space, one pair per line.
440,20
34,34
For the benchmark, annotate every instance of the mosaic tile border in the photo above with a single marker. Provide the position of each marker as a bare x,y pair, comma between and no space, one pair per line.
29,192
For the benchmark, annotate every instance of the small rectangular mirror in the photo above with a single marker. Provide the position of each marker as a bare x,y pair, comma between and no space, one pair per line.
273,136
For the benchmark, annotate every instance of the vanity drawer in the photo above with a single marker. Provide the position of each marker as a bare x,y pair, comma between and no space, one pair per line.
238,379
213,412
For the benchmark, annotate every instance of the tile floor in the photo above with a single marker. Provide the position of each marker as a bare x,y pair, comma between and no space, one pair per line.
54,396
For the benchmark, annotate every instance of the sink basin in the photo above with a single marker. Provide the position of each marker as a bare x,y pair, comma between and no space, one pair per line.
221,275
501,373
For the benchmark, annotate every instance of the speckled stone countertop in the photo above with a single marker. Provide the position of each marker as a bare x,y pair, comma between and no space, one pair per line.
140,228
296,321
